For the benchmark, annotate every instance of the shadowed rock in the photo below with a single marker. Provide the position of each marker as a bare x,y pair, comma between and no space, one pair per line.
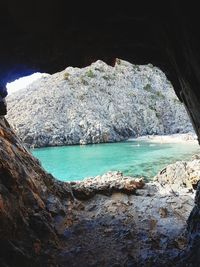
27,232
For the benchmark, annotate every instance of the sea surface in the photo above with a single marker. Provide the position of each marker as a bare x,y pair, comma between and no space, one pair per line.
134,158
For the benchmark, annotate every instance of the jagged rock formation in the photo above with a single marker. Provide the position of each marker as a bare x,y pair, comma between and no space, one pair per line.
186,175
97,104
180,174
107,184
42,224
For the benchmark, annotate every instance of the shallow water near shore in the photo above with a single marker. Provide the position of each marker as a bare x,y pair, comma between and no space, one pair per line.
133,158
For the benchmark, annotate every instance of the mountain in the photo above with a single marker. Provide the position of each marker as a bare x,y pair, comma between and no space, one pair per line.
96,104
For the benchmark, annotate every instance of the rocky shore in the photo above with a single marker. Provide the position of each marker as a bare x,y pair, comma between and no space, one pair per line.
97,104
110,220
146,227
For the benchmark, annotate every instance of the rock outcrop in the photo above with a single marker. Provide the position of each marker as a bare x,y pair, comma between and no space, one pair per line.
27,233
145,227
97,104
184,175
106,184
180,174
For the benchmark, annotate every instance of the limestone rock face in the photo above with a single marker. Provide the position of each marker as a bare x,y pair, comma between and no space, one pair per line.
97,104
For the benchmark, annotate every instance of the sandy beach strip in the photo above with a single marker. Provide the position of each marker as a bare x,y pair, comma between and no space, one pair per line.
173,138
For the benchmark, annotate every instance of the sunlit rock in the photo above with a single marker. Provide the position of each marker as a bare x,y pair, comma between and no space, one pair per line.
97,104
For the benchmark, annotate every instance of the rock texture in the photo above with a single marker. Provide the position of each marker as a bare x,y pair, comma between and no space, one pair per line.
180,174
107,184
97,104
27,233
146,227
45,223
193,250
186,175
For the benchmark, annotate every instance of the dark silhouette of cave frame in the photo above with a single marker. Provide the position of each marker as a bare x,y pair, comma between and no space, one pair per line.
48,36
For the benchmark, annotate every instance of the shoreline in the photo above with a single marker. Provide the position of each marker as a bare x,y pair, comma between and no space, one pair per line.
167,139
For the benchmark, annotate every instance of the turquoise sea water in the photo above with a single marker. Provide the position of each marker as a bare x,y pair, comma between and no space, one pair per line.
69,163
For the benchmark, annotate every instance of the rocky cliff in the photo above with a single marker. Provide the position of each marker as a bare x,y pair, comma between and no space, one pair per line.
106,221
97,104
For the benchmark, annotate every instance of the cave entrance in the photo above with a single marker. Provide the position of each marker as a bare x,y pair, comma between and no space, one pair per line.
136,100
